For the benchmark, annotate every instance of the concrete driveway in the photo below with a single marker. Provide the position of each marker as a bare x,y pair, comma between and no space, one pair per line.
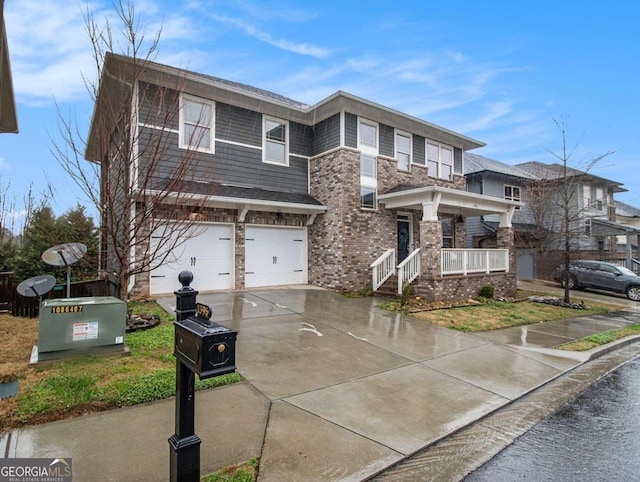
336,389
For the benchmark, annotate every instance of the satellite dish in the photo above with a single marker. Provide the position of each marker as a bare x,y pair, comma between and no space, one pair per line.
65,255
36,286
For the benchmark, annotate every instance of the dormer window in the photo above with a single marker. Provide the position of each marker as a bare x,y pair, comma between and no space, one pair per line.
276,144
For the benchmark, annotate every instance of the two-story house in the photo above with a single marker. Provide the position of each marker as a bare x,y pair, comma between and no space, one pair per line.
546,190
493,178
341,194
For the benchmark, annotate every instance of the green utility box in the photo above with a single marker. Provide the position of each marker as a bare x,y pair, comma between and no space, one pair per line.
76,326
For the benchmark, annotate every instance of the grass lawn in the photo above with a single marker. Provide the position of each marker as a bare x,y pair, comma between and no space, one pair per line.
498,314
73,387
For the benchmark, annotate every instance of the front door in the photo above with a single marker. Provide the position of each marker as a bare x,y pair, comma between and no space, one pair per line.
404,236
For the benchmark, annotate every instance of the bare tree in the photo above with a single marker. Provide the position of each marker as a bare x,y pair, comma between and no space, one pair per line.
556,204
138,181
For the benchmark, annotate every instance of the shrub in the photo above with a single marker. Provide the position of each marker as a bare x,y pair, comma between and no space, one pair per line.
486,291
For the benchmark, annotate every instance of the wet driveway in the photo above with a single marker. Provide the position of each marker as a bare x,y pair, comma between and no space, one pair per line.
336,389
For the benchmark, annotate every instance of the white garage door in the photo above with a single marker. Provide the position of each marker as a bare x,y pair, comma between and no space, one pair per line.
275,256
207,253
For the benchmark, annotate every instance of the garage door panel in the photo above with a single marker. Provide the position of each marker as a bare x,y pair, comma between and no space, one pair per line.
275,256
207,253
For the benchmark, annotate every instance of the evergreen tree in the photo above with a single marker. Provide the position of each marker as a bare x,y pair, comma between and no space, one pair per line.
40,233
74,226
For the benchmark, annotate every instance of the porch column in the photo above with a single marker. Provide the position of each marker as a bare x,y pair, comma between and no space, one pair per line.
431,248
506,240
460,233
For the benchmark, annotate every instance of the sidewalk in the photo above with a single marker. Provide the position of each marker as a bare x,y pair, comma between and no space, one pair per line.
336,390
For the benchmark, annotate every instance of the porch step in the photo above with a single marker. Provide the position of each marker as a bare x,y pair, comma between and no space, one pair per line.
390,288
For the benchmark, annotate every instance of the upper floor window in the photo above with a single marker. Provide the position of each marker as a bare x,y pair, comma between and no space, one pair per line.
439,160
599,205
586,190
367,136
512,193
196,124
276,141
403,150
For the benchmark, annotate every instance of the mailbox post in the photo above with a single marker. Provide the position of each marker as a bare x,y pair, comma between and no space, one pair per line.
204,348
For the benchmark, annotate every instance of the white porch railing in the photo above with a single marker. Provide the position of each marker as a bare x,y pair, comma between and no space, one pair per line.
409,269
383,268
465,261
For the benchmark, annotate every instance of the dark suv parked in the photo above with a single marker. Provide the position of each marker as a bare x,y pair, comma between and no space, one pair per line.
602,276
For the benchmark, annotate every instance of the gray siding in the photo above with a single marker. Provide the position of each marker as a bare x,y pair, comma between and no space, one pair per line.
300,139
158,106
418,145
350,130
326,135
238,125
231,164
238,165
386,141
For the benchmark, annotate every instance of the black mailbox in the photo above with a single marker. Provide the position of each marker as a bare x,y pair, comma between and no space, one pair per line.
205,347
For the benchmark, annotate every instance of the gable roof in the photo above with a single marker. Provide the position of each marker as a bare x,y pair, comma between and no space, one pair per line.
556,171
626,210
119,74
475,164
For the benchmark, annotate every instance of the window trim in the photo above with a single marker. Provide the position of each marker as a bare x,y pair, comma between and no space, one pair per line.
512,197
440,146
400,133
182,138
285,123
366,147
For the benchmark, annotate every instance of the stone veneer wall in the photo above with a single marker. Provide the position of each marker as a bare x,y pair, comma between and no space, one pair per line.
345,240
454,287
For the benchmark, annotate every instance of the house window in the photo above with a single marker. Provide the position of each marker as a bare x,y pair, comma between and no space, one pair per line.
447,232
276,145
196,124
403,150
512,193
368,182
439,160
367,135
587,196
599,199
368,145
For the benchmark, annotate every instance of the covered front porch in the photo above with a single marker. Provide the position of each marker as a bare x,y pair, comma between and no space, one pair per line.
439,264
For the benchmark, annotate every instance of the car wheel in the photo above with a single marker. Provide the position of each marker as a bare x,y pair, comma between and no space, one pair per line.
633,293
573,283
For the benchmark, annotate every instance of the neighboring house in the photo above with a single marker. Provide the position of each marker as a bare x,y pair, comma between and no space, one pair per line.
629,216
493,178
596,231
8,117
335,194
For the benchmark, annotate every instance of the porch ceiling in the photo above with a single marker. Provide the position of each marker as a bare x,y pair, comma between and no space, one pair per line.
434,200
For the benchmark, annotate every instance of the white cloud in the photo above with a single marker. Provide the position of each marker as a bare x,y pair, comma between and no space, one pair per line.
283,44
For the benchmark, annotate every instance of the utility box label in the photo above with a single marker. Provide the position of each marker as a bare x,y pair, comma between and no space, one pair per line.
85,331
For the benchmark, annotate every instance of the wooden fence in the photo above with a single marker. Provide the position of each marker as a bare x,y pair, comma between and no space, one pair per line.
29,307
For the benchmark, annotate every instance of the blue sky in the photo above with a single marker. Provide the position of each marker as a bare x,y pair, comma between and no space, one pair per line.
497,71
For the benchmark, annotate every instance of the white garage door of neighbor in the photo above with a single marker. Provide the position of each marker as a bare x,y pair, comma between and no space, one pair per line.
275,256
207,253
